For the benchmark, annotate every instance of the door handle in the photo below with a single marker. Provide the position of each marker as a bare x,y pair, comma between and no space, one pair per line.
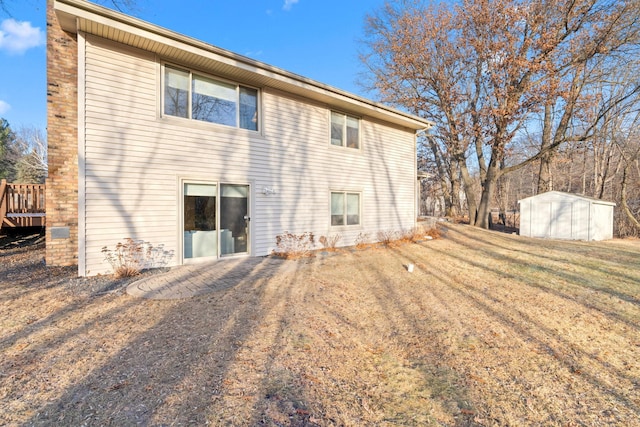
246,218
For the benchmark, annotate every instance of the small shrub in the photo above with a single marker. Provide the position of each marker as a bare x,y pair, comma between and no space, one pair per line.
433,232
362,241
387,237
291,246
128,259
330,242
413,234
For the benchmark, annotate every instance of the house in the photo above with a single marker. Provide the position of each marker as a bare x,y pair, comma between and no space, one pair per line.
159,137
559,215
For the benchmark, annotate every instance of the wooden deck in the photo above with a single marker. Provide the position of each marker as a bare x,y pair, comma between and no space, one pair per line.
22,205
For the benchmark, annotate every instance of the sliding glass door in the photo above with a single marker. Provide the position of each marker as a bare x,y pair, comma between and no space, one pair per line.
199,221
234,219
215,220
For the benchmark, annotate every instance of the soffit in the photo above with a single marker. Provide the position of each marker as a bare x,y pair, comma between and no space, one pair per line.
76,15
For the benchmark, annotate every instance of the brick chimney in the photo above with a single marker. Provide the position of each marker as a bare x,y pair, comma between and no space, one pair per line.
62,139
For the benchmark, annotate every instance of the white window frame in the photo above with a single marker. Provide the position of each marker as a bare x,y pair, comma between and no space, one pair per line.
345,214
181,181
344,130
191,73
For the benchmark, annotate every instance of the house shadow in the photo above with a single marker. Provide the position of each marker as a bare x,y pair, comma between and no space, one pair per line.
175,372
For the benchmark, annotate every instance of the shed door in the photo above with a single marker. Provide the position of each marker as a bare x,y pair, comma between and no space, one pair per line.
580,220
602,222
541,219
561,220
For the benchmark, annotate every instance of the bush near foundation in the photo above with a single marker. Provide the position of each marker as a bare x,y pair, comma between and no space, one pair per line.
292,246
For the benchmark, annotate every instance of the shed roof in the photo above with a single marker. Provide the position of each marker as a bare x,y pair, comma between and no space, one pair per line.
551,194
81,16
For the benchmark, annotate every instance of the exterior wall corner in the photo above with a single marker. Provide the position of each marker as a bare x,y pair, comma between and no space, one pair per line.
62,141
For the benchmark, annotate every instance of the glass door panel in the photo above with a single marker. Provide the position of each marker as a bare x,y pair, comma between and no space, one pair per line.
200,234
234,219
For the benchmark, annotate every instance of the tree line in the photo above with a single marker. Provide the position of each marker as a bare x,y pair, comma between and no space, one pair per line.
525,97
23,154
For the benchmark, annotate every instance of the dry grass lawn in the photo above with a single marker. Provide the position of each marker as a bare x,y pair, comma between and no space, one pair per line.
489,330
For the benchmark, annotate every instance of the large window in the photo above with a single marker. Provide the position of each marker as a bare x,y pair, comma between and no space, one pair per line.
345,130
197,97
345,208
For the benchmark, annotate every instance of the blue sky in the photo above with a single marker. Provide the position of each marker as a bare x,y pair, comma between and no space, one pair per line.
318,39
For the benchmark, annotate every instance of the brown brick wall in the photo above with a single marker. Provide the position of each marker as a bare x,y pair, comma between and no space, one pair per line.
62,137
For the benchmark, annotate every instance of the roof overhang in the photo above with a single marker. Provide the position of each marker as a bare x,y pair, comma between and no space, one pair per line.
81,16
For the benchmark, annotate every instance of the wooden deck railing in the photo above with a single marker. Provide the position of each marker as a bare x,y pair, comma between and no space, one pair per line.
22,205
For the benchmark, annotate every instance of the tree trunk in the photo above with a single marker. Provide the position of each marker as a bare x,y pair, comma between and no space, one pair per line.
455,192
623,198
604,170
472,202
545,179
446,195
584,171
502,189
570,170
444,176
488,190
484,208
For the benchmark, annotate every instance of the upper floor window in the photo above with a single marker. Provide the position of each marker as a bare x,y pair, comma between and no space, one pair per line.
345,130
194,96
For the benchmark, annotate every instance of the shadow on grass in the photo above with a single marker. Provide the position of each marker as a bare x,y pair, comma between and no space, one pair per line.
618,285
172,373
591,252
198,361
530,329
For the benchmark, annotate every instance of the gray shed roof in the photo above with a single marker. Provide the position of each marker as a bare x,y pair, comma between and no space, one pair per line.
563,194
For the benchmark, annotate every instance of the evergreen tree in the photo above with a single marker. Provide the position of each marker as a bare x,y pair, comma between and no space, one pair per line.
8,154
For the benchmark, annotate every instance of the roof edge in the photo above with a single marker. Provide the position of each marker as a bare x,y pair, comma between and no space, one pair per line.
69,11
564,193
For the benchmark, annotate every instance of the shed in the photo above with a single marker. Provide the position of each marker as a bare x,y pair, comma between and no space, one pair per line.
560,215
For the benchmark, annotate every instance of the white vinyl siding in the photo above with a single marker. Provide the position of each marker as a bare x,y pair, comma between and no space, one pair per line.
134,160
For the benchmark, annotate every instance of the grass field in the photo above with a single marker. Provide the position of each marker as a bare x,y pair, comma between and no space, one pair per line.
489,330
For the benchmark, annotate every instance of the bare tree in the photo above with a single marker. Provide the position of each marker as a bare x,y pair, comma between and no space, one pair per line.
32,165
599,161
480,69
416,65
615,149
630,156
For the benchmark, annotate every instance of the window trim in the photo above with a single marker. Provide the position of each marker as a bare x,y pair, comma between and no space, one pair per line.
192,72
345,214
344,130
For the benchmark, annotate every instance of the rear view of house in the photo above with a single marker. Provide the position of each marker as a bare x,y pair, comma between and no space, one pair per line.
163,138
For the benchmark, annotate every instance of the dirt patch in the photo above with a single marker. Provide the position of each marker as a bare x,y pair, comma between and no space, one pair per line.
489,329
